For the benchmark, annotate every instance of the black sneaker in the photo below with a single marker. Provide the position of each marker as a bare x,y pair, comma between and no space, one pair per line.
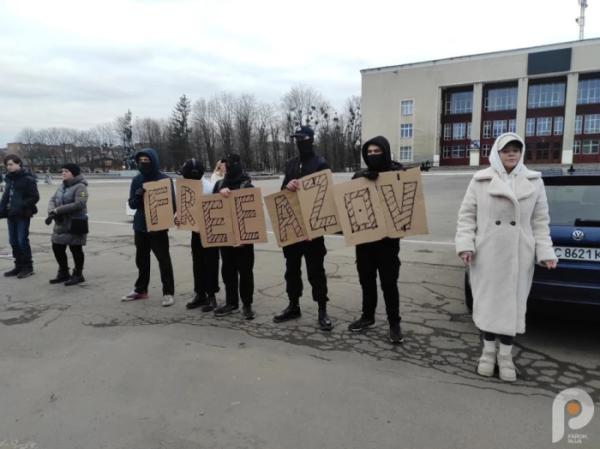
248,312
198,301
324,321
396,336
210,305
14,272
227,309
291,312
361,324
25,273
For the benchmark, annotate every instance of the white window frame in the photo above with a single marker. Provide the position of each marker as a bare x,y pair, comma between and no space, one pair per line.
558,125
543,126
577,147
459,131
487,129
407,107
579,124
406,130
591,124
405,153
447,131
588,91
499,127
512,125
530,127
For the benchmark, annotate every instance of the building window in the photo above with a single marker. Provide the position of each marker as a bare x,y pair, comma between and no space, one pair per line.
459,131
485,150
502,99
546,95
530,127
459,103
458,151
544,126
446,152
512,126
487,129
406,107
591,146
579,124
406,130
469,125
588,91
592,124
406,153
498,128
558,126
577,147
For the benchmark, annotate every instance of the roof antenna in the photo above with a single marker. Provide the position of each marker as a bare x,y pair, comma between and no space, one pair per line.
581,19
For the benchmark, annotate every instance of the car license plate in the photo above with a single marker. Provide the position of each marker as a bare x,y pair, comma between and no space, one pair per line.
571,253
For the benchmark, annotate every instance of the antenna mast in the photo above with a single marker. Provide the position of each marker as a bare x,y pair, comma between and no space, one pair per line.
581,19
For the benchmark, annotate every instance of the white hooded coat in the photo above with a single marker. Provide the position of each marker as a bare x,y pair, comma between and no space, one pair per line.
503,220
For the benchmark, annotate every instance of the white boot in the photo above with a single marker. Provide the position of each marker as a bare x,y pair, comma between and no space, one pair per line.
487,361
506,366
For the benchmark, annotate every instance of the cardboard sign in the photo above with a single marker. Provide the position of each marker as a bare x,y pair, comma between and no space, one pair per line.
359,211
286,217
216,224
248,216
317,204
158,205
403,204
188,193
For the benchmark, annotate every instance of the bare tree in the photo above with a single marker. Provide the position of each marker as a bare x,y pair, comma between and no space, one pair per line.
204,134
245,117
221,109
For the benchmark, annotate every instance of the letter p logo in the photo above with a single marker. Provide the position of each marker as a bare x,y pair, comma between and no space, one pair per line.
574,406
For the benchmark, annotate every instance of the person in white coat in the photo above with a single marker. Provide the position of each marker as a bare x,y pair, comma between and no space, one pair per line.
502,231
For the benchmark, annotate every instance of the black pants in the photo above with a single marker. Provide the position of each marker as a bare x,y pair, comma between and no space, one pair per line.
314,256
60,254
205,264
238,275
158,243
382,257
504,339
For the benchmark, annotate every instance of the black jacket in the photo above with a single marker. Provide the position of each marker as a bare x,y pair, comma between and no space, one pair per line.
296,169
137,202
20,196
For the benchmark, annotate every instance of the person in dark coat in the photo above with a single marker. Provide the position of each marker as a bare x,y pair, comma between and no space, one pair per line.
313,251
18,205
68,209
237,261
380,256
145,242
205,261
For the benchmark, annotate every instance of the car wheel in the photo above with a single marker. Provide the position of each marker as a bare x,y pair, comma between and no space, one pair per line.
468,293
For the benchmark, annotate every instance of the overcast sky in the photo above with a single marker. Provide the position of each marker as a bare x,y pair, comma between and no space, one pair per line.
81,63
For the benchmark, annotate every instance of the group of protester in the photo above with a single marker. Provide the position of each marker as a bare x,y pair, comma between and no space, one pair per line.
503,228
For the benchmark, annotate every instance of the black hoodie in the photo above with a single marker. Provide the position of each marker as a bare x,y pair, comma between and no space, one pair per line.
387,164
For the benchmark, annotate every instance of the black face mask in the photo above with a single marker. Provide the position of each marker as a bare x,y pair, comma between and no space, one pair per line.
233,171
145,167
376,162
305,148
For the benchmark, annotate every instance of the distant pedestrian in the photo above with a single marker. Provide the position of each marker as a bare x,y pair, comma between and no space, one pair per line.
18,205
68,209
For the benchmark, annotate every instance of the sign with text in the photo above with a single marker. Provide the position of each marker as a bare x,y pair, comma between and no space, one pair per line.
286,217
248,216
317,204
158,205
188,194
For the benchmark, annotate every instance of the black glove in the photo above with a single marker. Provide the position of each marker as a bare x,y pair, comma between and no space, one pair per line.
370,174
140,192
50,217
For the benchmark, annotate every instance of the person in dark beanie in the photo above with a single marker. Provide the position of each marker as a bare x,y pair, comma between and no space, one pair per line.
380,256
145,242
205,261
68,209
313,251
18,205
238,261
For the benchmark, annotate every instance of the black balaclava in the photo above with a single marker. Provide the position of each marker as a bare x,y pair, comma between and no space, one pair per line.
192,169
234,172
378,162
305,138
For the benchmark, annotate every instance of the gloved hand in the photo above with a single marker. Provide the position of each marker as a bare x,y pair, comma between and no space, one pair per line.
370,174
50,218
140,192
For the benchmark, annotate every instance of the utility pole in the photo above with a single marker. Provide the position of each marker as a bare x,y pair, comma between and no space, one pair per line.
581,19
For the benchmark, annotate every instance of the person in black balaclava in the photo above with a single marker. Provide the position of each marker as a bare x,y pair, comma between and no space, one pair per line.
238,261
205,261
146,242
380,256
313,251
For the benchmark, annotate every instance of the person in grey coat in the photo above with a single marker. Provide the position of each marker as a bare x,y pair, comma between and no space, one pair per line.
68,209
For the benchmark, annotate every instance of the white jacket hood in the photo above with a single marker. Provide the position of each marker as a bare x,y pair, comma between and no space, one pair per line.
494,158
